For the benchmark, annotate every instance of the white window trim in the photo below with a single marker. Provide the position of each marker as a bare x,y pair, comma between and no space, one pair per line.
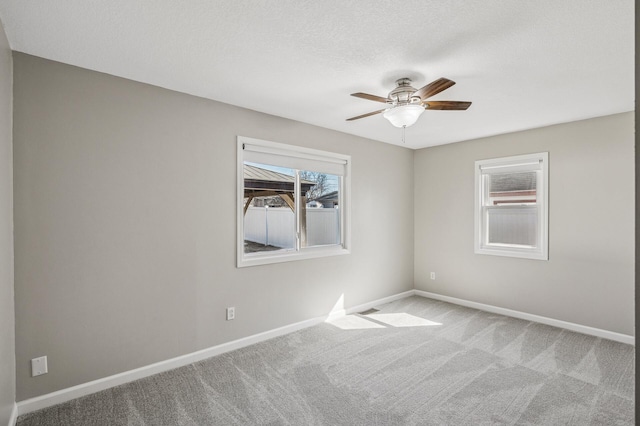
517,162
270,257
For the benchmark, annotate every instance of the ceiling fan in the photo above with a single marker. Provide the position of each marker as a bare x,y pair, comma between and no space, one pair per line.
405,104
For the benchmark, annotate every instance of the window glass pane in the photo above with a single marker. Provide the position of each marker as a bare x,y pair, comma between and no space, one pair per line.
513,225
512,188
320,221
269,208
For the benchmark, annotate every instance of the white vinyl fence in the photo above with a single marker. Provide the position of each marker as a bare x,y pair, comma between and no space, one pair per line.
513,225
275,226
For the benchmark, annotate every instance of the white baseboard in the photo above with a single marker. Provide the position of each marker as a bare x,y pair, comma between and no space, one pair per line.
64,395
618,337
13,418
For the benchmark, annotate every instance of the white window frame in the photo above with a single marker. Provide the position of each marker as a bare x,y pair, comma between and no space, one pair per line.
291,154
538,162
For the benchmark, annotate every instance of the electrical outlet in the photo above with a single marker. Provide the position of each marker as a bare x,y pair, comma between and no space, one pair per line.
231,313
39,366
433,275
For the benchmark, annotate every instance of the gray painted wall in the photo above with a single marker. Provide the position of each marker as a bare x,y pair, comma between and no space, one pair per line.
126,226
589,278
7,325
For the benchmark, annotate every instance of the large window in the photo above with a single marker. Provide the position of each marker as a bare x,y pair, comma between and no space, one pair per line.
293,202
511,215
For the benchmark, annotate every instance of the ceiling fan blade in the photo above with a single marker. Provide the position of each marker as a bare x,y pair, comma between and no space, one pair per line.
370,97
434,88
366,115
450,105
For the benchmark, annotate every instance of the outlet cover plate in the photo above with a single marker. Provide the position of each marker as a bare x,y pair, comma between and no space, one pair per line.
231,313
39,366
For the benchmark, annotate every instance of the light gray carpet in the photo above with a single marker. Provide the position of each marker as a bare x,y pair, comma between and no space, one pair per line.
414,362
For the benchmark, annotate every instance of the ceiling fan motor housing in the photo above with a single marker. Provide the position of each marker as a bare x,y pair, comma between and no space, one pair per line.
403,93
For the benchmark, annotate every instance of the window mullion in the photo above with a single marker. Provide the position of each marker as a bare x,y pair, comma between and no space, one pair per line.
296,196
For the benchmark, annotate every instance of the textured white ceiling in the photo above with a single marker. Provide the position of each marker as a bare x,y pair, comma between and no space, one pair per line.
523,64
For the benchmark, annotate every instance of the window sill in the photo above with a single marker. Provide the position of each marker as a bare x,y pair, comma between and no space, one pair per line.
513,252
255,259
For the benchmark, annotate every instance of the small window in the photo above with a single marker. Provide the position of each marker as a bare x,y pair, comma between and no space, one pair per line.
293,202
511,214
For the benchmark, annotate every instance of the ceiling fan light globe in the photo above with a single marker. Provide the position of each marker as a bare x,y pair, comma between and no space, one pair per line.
404,115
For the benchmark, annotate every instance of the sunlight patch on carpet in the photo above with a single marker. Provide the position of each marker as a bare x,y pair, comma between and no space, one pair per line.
400,319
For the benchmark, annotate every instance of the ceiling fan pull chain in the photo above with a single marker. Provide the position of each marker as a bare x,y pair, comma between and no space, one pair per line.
403,130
